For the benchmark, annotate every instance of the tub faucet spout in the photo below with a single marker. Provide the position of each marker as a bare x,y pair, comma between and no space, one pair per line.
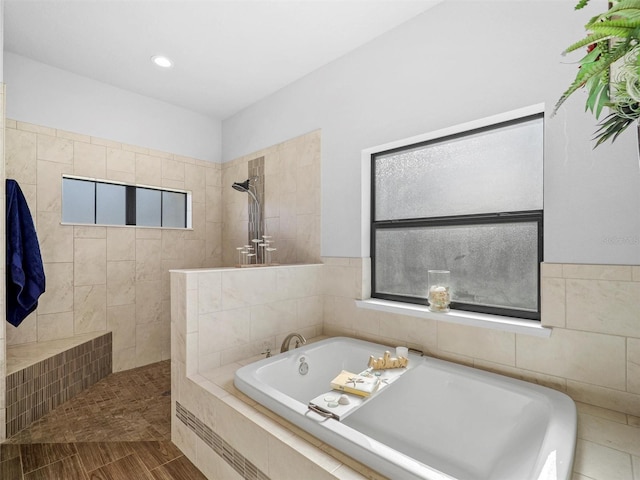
287,341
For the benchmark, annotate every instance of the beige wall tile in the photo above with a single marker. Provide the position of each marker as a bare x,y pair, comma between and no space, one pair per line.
58,296
600,462
105,143
195,180
26,332
148,301
172,169
90,314
148,170
20,155
89,231
309,311
613,434
633,365
55,326
340,280
56,241
121,244
172,245
617,400
149,338
604,306
225,329
89,160
90,261
121,283
587,357
271,319
243,434
121,160
148,254
49,188
55,149
482,343
209,292
553,302
551,270
248,287
124,359
121,321
597,272
77,137
29,127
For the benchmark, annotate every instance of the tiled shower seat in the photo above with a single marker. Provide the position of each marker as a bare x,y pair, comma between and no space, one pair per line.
42,376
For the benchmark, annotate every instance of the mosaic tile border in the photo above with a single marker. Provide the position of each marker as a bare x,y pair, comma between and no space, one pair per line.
39,388
235,459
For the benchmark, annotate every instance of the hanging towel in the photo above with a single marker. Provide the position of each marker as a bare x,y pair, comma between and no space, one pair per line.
25,272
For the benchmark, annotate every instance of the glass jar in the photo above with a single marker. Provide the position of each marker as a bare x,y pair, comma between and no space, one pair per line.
439,290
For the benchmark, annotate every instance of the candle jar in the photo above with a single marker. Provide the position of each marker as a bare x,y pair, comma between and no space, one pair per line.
439,290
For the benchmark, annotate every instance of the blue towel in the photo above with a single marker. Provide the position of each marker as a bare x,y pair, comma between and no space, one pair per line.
25,272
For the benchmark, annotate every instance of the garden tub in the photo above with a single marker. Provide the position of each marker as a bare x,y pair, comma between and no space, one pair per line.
437,420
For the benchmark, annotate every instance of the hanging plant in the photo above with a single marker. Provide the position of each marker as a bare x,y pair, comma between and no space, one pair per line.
610,71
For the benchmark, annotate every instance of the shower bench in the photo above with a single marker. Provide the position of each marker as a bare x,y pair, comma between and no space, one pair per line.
41,376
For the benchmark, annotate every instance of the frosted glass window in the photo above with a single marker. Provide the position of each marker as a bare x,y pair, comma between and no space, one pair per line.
490,170
174,209
78,201
470,203
492,265
148,207
111,208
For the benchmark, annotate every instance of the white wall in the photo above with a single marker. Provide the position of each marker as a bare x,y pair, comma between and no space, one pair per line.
459,62
44,95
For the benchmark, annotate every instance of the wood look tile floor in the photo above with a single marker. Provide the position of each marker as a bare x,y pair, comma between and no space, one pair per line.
119,429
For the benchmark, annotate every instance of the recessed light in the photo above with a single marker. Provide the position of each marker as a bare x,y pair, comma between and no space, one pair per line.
161,61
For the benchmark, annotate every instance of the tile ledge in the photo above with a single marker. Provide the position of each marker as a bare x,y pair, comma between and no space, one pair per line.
494,322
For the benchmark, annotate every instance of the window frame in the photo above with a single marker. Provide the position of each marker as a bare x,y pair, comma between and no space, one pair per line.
130,203
535,216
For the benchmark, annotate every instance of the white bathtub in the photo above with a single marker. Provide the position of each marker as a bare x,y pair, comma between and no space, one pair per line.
439,420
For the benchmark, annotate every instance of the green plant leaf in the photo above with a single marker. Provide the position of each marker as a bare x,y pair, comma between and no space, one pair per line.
581,4
626,23
592,69
592,38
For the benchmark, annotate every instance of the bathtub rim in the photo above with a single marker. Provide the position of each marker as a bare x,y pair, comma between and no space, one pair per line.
299,414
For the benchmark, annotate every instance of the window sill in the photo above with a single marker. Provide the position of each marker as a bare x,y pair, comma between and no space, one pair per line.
495,322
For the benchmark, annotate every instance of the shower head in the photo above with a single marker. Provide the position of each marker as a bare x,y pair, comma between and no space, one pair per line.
246,188
242,186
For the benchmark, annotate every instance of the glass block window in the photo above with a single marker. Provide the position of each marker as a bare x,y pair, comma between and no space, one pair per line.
88,201
470,203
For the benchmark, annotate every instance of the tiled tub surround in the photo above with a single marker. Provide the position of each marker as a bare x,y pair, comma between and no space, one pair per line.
35,389
232,313
110,278
608,410
291,200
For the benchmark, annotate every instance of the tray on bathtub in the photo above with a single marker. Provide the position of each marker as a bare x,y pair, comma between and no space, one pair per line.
327,404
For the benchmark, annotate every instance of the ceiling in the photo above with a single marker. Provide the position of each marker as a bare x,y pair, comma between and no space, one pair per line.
227,54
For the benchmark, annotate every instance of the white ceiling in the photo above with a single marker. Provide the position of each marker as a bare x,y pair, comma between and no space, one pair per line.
227,54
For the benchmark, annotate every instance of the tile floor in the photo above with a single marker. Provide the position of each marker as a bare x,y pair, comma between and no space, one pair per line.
120,428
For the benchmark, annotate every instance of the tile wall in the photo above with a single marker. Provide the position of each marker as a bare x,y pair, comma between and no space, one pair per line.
235,313
220,433
593,353
291,200
109,278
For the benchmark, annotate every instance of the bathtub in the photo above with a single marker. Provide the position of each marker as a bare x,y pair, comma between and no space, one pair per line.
438,420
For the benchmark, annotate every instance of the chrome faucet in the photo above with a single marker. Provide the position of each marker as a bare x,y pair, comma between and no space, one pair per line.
287,340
